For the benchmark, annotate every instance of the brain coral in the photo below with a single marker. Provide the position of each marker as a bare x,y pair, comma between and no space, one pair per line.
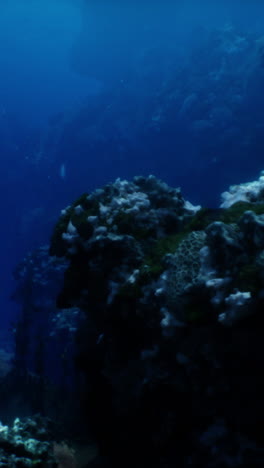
184,266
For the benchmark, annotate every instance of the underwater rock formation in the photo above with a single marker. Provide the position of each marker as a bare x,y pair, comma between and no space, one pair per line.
26,443
44,342
172,340
39,278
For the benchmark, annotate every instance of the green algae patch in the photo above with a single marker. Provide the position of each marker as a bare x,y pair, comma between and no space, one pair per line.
234,213
169,244
202,219
154,259
231,215
126,225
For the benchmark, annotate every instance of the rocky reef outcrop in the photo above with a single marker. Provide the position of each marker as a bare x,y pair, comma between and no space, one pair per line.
26,443
172,340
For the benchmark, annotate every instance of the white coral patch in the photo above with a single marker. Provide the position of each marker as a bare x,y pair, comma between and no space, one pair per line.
78,209
248,192
237,308
71,229
190,207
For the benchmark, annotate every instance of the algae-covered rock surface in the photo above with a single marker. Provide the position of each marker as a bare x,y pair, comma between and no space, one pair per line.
172,341
26,443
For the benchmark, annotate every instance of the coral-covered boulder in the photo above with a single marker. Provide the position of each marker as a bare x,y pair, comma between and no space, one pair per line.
172,341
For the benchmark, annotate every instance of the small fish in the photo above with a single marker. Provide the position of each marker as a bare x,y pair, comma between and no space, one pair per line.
62,172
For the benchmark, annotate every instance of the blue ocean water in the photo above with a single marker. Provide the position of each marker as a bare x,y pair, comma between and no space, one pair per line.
62,63
96,90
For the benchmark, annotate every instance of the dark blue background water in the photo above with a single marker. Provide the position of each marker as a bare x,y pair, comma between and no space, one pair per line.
75,75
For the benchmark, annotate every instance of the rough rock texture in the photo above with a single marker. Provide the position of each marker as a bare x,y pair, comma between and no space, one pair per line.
249,192
172,343
26,444
44,346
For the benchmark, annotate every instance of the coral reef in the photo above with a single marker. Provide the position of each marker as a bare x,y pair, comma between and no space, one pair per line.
26,443
248,192
171,342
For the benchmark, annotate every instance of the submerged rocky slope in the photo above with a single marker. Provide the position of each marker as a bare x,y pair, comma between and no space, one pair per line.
172,341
